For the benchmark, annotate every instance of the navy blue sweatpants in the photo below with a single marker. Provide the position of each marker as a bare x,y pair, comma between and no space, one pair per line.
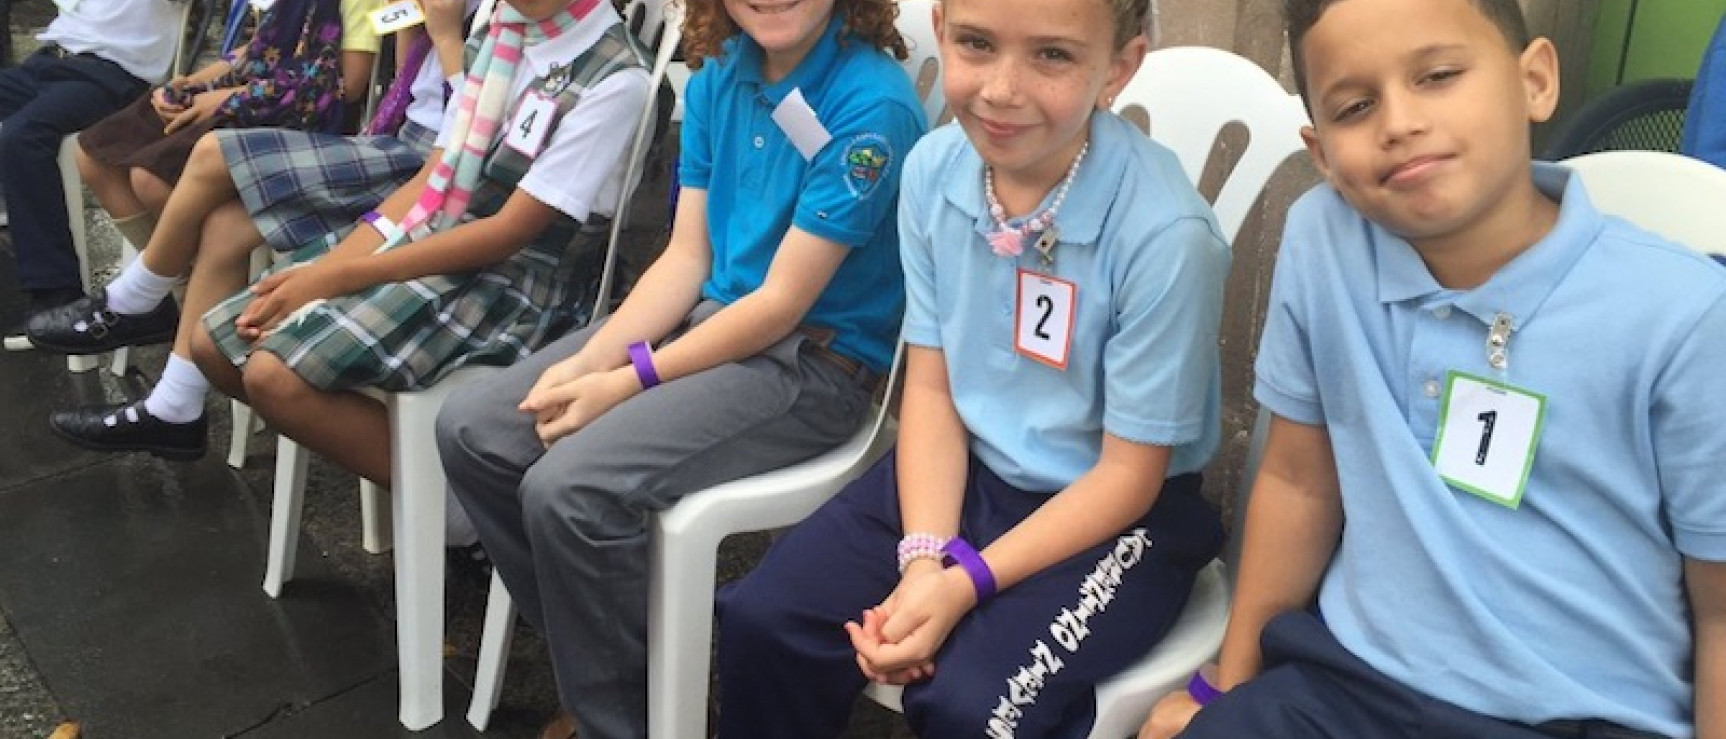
1313,688
1021,665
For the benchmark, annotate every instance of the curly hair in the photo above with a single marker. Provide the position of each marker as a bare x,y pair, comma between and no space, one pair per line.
706,26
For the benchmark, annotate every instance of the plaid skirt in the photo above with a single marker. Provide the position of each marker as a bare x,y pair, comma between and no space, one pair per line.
408,335
300,187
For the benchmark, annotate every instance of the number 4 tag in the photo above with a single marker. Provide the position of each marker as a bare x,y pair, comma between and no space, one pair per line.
531,123
1487,435
1045,319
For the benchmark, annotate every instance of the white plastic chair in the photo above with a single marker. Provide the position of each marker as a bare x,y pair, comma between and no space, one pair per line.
1672,195
1190,93
417,509
917,26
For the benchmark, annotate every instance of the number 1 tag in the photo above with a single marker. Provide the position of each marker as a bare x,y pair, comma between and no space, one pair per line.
1044,326
1487,435
395,16
532,121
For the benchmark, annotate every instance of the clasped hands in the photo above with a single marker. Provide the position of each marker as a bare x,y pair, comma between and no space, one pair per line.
896,641
178,112
573,393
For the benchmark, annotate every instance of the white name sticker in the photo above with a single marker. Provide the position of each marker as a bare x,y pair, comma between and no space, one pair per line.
531,123
799,123
395,16
1487,435
1044,326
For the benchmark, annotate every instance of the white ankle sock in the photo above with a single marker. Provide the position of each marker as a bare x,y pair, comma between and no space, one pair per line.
179,397
138,290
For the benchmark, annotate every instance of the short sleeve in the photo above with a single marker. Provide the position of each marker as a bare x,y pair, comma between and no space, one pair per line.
852,181
695,143
357,33
1690,438
1161,361
587,149
1284,379
916,253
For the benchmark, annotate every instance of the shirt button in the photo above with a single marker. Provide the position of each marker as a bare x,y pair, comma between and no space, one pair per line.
1441,312
760,142
1430,388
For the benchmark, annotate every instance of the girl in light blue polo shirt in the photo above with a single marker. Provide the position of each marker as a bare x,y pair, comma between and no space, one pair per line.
1064,286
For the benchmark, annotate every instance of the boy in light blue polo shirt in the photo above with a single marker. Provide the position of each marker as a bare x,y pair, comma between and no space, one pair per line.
1497,447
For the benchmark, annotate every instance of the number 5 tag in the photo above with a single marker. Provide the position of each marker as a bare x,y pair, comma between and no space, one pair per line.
395,16
1487,435
1045,319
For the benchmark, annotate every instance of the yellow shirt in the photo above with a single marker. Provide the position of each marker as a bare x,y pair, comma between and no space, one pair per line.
357,34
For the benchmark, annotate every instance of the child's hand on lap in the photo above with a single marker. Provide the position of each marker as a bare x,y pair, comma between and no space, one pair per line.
912,623
566,407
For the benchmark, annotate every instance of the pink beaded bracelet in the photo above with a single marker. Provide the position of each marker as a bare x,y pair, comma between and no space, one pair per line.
919,546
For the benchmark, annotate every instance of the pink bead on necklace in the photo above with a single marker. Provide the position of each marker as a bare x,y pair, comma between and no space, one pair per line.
1008,241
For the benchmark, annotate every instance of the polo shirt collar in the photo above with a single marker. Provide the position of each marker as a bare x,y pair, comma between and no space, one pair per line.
809,73
1088,201
1518,288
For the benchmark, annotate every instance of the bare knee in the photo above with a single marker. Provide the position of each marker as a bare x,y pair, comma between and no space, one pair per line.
90,170
151,190
206,161
270,382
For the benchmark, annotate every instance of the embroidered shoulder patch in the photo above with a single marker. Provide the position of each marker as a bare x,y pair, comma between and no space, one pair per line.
867,157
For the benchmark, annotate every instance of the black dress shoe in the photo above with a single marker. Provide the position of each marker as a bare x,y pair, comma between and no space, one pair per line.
17,338
129,427
86,326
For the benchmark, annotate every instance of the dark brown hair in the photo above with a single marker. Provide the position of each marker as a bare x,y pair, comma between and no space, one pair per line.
1302,15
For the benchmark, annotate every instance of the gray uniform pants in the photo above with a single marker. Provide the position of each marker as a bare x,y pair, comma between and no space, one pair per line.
567,527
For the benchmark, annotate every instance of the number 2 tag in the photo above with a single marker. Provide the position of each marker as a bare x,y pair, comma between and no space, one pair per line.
1487,435
1044,326
531,123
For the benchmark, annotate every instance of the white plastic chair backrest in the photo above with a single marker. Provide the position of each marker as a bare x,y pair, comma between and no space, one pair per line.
645,19
917,25
672,13
178,67
1190,93
1670,194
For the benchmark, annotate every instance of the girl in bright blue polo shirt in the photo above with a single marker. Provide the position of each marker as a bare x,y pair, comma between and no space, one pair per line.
1064,287
753,342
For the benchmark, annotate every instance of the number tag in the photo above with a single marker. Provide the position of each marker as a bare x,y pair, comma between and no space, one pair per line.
531,123
1045,318
393,17
1487,435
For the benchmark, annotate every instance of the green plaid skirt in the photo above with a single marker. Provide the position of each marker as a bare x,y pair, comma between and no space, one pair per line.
407,335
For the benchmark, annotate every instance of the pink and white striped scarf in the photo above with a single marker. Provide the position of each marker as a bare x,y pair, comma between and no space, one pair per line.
484,98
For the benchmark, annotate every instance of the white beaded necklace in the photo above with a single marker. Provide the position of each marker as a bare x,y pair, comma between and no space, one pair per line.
1008,241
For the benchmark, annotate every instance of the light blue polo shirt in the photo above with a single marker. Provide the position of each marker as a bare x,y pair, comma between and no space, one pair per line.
1573,605
758,184
1149,265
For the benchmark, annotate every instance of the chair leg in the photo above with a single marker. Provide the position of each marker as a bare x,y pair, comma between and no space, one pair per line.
123,355
240,436
493,654
292,461
375,517
417,508
74,186
680,633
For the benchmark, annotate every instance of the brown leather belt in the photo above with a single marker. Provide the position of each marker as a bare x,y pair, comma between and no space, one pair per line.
819,339
59,52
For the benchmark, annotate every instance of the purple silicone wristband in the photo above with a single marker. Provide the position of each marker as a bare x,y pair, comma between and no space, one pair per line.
961,552
1202,691
641,356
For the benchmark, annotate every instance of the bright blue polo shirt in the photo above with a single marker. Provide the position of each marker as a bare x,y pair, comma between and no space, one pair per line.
1149,265
759,186
1573,605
